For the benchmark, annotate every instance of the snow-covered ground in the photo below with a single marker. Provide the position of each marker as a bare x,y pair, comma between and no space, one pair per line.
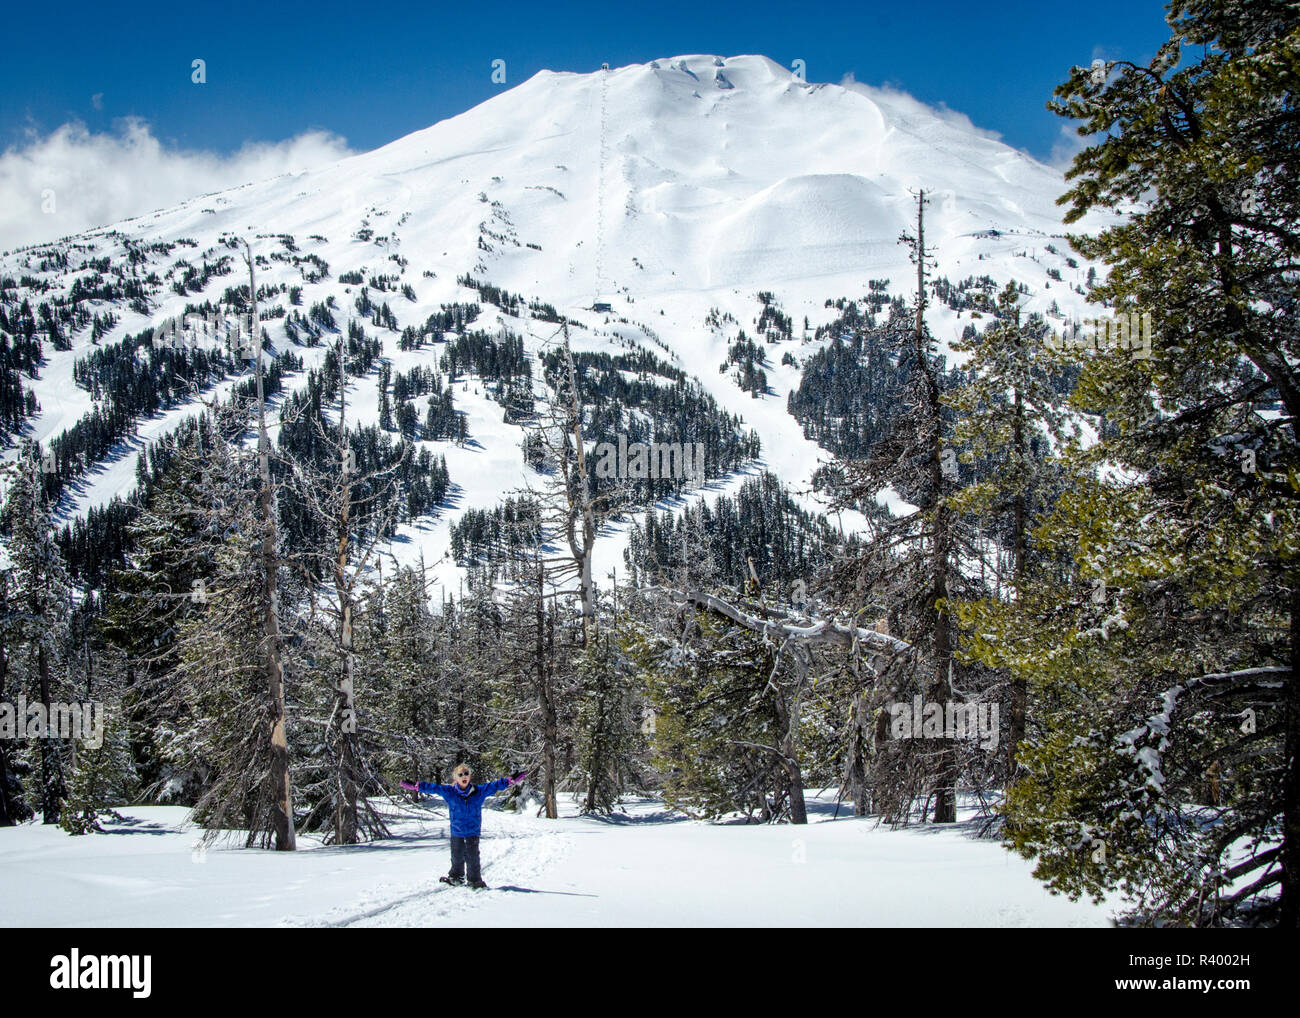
643,867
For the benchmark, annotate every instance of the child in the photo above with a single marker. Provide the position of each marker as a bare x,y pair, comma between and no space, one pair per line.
465,804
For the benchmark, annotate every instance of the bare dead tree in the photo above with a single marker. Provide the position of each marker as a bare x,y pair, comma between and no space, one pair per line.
570,507
285,837
331,497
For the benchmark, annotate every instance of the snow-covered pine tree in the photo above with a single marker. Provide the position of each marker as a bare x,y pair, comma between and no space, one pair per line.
39,595
1175,769
411,690
216,696
13,809
608,716
911,568
164,583
1152,754
100,777
1013,417
533,683
717,739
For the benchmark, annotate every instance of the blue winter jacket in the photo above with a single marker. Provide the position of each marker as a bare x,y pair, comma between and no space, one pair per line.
465,807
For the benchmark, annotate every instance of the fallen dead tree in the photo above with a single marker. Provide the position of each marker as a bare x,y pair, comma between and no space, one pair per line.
793,636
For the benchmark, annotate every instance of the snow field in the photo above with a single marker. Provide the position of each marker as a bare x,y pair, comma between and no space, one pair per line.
643,867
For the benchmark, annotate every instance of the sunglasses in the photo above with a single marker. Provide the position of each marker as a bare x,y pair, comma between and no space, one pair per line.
463,774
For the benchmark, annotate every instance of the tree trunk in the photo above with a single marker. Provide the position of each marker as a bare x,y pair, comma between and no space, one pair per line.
282,819
787,716
857,763
345,813
545,699
7,816
1289,904
345,808
52,791
798,809
596,763
940,690
586,511
1019,687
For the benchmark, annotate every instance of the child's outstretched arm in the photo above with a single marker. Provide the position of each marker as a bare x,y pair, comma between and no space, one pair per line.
503,783
427,787
495,786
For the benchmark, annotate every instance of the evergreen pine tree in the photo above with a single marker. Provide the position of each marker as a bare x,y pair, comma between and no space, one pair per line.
1169,758
607,721
39,596
1012,419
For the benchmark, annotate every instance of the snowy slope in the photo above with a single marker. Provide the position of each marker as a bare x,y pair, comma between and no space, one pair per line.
666,188
644,867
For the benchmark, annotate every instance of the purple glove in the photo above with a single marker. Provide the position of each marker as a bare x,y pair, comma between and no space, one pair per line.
514,779
410,786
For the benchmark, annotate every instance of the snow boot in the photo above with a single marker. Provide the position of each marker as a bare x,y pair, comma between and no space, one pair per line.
454,881
478,885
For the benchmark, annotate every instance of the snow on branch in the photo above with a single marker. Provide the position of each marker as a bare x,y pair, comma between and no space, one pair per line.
788,627
1234,678
1154,732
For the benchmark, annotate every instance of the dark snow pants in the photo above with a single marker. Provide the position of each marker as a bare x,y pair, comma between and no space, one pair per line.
465,850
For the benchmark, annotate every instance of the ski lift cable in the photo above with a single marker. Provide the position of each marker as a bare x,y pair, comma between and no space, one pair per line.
600,184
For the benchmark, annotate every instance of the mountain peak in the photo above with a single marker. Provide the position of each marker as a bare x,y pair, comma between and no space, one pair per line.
671,192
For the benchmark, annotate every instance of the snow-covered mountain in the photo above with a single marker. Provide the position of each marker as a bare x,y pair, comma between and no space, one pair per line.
663,189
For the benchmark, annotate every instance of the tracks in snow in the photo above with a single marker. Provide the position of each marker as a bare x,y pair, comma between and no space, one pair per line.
509,858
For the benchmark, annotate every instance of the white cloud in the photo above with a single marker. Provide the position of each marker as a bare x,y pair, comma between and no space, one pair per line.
907,103
1068,144
72,180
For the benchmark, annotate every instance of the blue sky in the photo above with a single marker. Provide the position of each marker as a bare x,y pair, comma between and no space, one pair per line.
100,118
371,73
